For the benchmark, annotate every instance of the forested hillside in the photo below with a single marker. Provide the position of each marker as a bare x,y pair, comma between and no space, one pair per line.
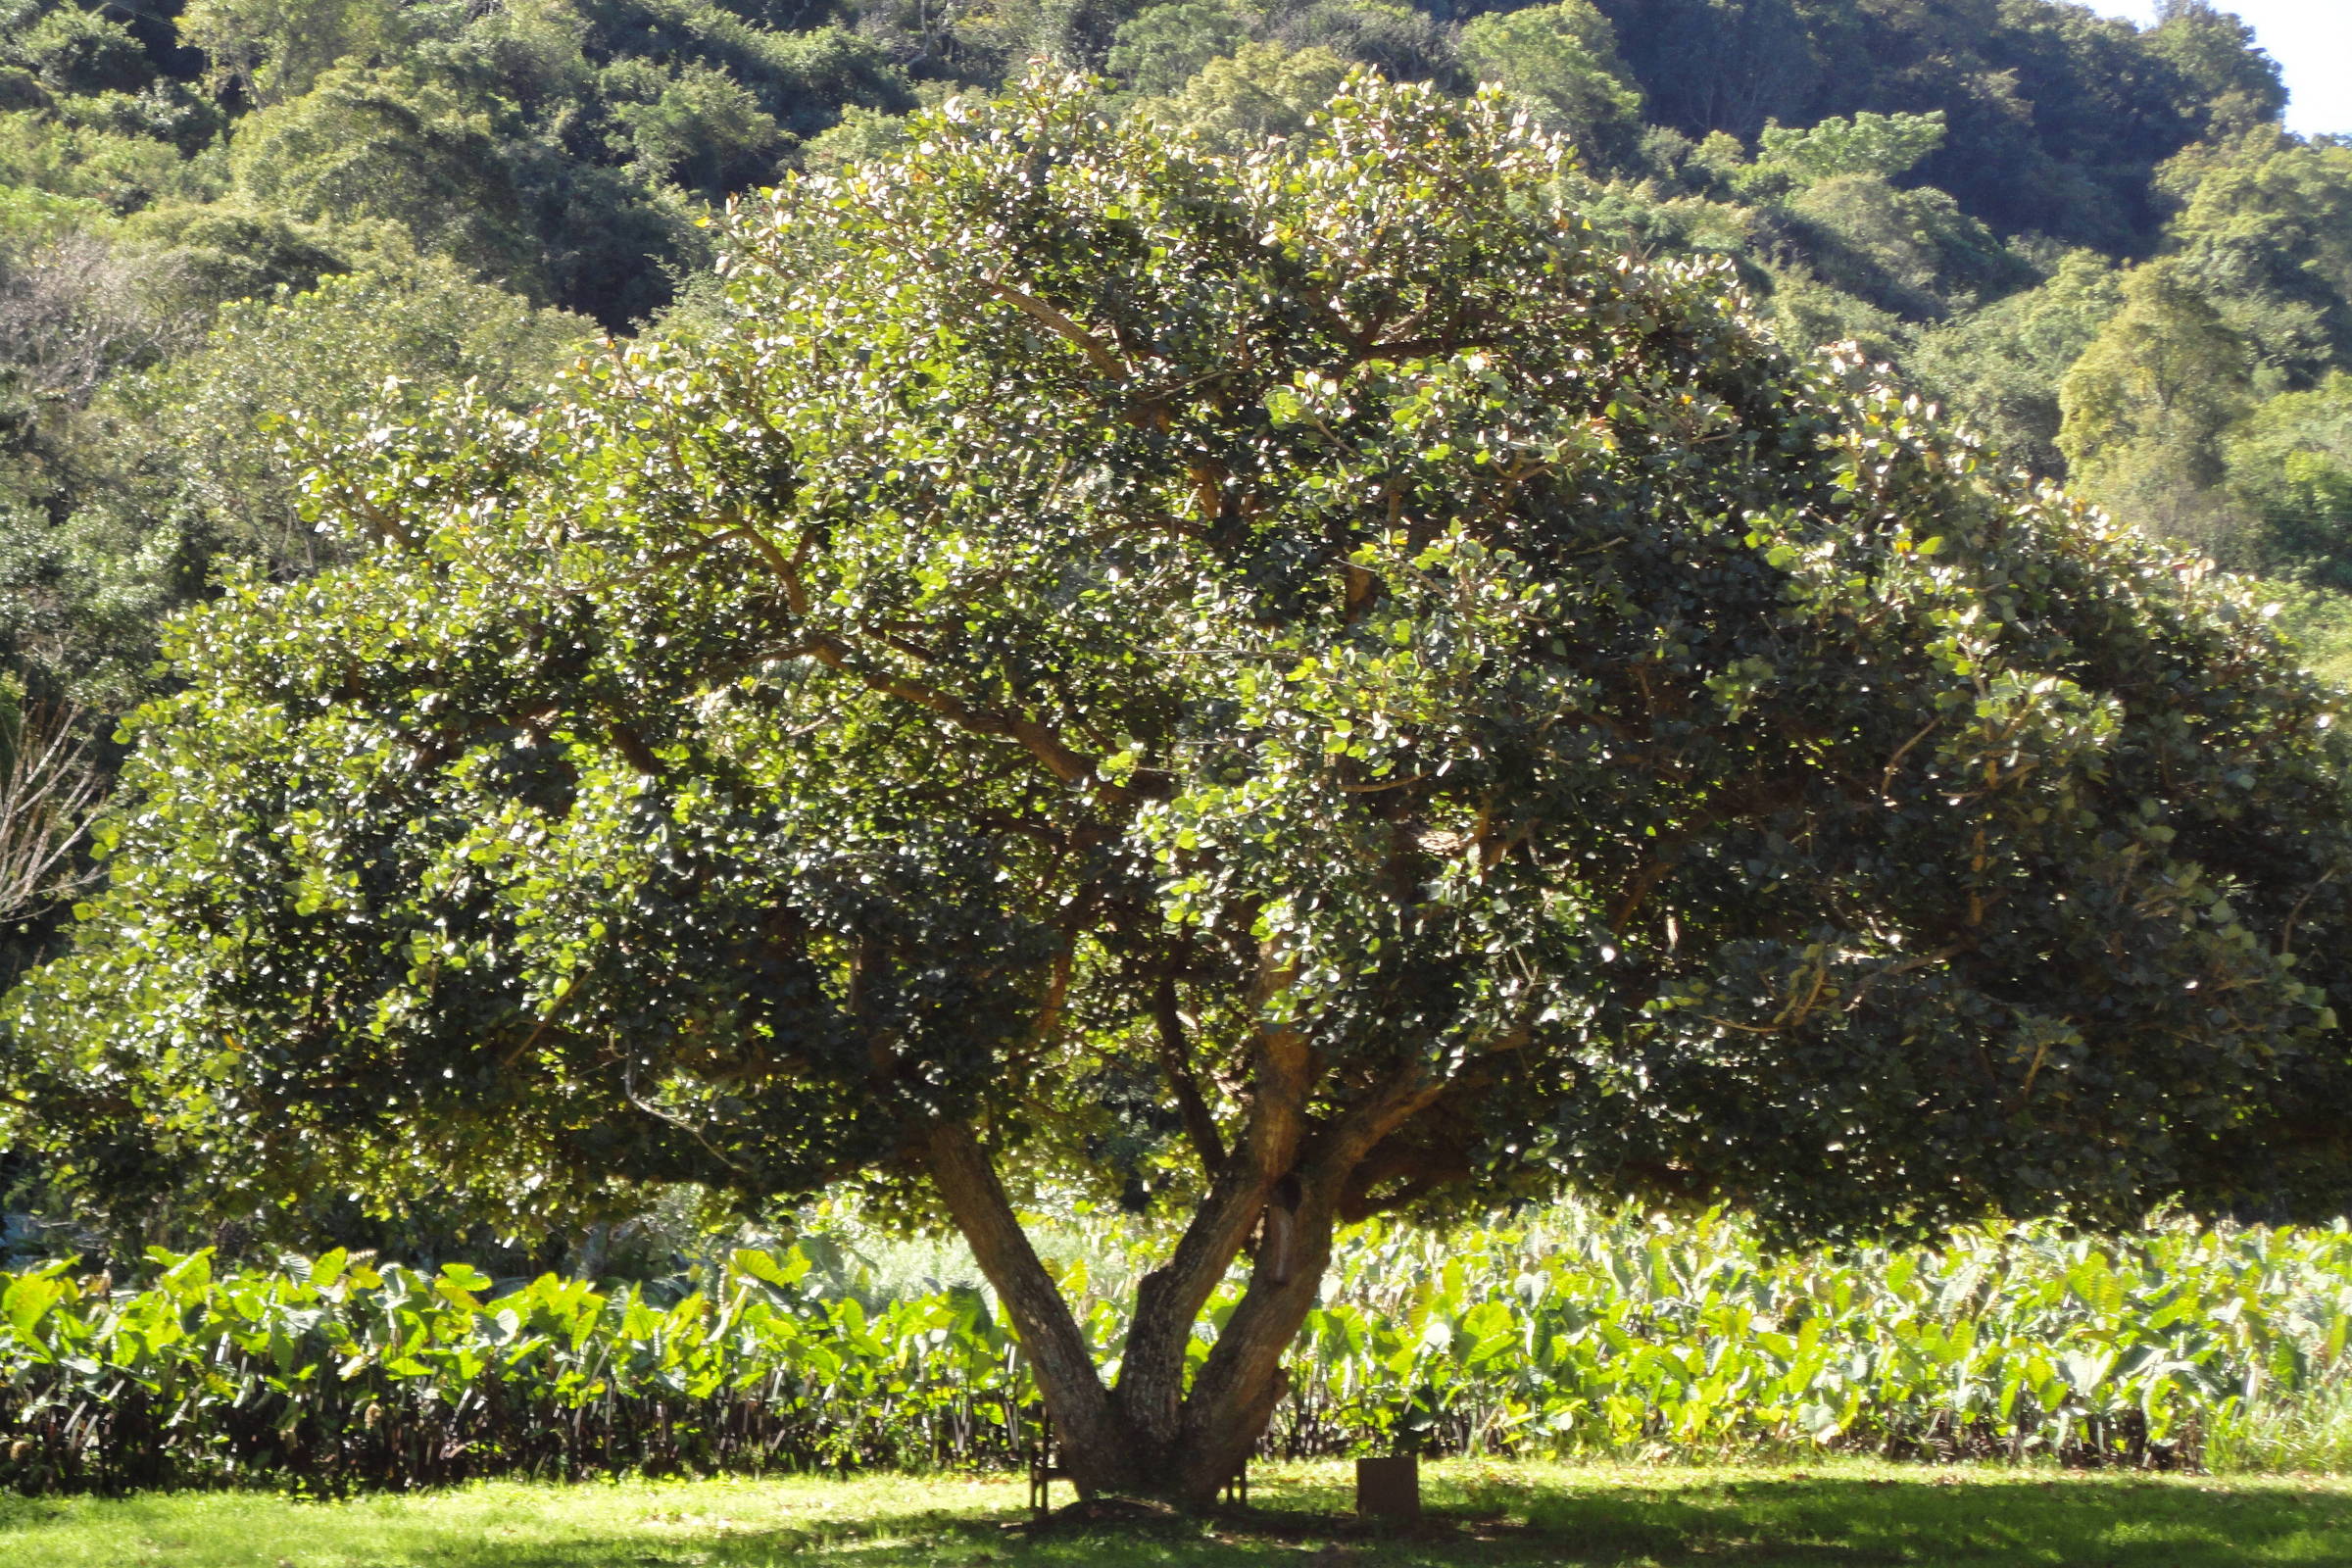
231,225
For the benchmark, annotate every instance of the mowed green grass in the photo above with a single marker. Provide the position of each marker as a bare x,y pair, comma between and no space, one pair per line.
1836,1515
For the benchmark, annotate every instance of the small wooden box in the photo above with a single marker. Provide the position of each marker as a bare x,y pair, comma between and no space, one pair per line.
1389,1488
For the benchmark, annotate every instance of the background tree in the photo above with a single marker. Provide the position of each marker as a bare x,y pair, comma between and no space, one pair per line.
1161,47
1400,41
2289,470
383,147
270,51
48,794
2145,409
2226,74
1286,687
1260,90
2001,367
1563,59
2264,236
201,441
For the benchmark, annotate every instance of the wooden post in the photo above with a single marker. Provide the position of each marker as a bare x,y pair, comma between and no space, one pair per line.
1389,1488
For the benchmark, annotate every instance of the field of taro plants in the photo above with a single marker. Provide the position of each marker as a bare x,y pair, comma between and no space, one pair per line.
1575,1332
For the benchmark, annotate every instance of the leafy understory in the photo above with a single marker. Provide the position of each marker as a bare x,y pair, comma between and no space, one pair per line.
1581,1333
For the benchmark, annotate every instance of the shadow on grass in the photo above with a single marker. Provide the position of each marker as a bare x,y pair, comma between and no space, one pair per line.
2118,1523
1832,1522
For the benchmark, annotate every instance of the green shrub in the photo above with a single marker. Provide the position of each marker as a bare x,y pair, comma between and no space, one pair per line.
1580,1332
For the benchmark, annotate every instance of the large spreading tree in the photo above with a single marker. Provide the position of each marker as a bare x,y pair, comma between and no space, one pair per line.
1290,686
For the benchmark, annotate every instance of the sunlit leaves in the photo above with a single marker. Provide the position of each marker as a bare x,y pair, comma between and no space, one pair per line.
1324,580
1573,1331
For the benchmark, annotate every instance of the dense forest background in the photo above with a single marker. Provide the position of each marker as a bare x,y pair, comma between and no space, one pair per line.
2095,243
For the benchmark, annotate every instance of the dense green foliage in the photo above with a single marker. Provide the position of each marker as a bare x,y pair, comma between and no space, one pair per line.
1061,633
1296,680
1575,1334
507,795
1959,188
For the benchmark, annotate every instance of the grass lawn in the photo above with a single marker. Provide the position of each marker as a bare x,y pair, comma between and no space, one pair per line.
1836,1516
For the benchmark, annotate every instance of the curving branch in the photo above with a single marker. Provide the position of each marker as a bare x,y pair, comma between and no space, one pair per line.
1108,364
1175,1062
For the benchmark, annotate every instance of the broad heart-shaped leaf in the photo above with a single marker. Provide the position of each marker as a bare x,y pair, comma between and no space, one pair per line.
782,1270
1088,608
28,1299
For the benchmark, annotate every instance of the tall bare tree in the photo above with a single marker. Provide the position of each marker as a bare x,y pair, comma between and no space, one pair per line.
49,792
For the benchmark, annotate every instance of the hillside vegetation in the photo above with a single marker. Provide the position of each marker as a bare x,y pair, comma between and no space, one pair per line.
230,228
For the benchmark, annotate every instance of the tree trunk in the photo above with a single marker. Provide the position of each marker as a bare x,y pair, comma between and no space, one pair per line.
1152,1394
1233,1396
1155,1437
1168,1303
1095,1444
1154,1440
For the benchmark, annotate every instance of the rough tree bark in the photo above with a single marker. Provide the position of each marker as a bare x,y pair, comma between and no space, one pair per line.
1152,1435
1096,1444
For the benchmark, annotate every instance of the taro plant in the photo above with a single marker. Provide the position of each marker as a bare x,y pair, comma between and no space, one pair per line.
1578,1331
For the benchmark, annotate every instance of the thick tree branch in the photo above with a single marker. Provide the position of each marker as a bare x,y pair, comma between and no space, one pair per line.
1169,1298
1238,1387
1239,1384
1175,1061
1037,309
1040,741
633,749
1421,1171
1092,1438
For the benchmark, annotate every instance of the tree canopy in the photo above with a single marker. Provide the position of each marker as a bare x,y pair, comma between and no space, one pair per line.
1279,685
217,213
1899,174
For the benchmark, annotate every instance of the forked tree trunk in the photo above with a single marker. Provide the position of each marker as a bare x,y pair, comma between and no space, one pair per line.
1152,1436
1232,1398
